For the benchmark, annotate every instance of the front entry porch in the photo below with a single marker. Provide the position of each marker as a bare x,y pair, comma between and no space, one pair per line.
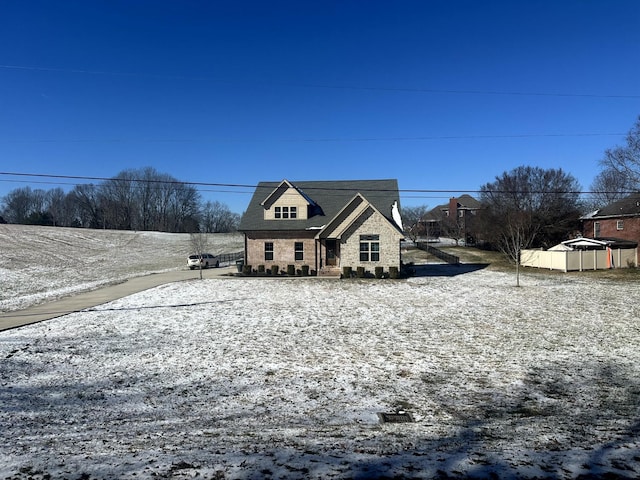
329,258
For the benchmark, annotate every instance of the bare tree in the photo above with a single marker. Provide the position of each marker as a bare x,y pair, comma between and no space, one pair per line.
119,200
199,243
412,217
453,227
87,207
134,199
529,207
147,197
625,160
148,200
215,217
18,205
609,186
183,210
58,207
39,202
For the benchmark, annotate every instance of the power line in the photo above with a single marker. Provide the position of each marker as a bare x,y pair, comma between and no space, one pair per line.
272,185
318,140
325,86
136,180
205,190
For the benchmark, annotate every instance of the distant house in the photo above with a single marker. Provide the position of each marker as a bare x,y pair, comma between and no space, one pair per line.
453,219
325,225
619,220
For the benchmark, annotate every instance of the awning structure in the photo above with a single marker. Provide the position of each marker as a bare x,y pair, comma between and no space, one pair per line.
584,243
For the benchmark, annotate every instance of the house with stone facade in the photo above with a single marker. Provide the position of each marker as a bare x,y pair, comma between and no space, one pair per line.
323,226
619,220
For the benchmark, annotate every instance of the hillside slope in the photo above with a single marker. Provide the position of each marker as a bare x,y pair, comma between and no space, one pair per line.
38,264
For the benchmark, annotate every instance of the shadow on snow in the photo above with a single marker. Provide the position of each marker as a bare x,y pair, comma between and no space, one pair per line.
545,427
446,269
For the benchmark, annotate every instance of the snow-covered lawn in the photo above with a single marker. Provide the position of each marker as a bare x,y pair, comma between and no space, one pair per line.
284,378
45,263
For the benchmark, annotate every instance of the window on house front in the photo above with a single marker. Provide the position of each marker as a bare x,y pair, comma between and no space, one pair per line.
596,230
620,225
369,248
268,250
285,212
299,250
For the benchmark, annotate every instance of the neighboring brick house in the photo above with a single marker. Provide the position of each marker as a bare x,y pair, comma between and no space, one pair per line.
453,219
619,220
325,225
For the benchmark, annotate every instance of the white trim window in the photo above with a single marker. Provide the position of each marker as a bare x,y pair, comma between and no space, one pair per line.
299,251
369,248
268,250
596,229
620,225
285,213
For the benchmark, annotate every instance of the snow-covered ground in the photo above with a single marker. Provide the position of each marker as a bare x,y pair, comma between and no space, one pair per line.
45,263
284,378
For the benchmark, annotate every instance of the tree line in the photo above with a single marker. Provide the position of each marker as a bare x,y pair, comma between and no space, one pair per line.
532,207
527,207
142,199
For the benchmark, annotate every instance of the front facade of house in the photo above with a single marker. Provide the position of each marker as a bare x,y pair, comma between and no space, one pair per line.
324,225
618,220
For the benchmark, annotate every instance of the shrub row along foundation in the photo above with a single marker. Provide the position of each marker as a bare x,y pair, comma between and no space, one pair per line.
275,270
304,271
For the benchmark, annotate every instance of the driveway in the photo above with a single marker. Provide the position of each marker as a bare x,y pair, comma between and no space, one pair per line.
81,301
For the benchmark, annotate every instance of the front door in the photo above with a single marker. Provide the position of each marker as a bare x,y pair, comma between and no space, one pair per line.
331,257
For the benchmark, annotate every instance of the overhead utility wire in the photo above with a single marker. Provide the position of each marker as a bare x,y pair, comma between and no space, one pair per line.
272,185
52,182
316,140
325,86
199,189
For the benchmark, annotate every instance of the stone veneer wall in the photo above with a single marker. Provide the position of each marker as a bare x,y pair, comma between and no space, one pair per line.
373,224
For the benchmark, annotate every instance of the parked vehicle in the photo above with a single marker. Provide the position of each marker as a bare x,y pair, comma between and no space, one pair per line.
204,260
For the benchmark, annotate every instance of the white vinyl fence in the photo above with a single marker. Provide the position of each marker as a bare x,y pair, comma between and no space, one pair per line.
580,259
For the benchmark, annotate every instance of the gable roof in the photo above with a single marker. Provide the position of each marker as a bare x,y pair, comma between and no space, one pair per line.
465,202
330,196
349,215
284,186
627,207
277,192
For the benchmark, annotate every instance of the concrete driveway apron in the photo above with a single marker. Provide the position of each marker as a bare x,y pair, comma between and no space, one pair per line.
81,301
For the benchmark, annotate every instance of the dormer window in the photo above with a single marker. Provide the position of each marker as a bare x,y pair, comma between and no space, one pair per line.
287,202
285,212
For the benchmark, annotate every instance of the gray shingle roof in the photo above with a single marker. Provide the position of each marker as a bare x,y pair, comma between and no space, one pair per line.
465,202
628,206
330,196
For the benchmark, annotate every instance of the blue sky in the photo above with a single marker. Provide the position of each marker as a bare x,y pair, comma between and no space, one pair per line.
442,95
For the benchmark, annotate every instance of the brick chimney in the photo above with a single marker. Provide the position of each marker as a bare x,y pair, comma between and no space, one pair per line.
453,207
